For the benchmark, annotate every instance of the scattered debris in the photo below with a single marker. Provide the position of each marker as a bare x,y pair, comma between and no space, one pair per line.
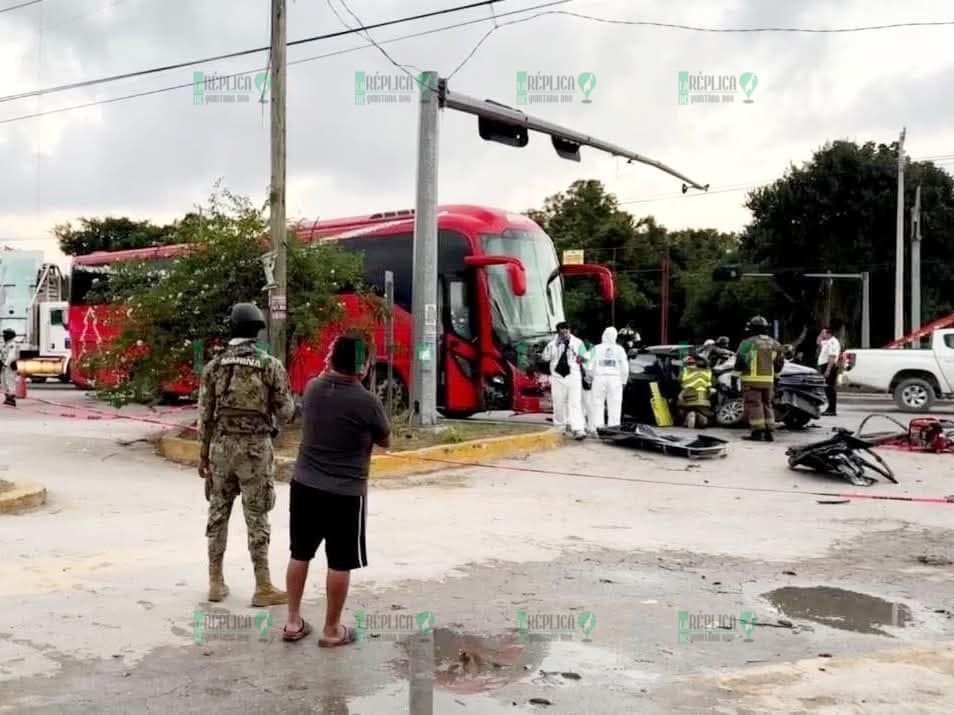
834,501
843,455
935,560
570,675
785,623
789,573
607,580
757,660
922,434
540,701
717,583
396,607
824,655
639,436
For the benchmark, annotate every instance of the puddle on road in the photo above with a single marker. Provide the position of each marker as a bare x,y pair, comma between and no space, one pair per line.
468,663
838,608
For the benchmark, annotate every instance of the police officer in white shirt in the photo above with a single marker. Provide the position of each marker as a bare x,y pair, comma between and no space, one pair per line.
829,350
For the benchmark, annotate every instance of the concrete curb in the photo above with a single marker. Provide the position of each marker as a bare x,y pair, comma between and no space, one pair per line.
22,496
399,464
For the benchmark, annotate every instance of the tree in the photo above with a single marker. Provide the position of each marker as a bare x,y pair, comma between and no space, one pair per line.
176,315
111,234
837,211
587,217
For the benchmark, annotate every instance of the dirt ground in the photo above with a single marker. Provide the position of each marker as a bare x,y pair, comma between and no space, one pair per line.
589,579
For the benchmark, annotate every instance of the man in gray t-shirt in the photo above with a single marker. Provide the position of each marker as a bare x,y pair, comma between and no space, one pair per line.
342,423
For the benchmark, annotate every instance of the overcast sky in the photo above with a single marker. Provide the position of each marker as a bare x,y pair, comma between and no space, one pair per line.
154,157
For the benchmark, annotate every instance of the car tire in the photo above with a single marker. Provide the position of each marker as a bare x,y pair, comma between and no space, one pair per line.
914,395
730,413
796,420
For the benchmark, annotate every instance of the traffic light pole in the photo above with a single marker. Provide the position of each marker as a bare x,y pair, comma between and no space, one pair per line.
423,386
497,122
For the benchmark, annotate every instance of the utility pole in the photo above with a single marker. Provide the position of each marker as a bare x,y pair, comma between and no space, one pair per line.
664,300
916,262
278,301
899,246
424,358
866,310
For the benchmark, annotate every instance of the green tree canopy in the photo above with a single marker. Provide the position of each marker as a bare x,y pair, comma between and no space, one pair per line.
175,314
838,212
111,234
587,217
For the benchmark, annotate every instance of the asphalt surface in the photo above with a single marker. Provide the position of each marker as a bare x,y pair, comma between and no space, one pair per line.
589,579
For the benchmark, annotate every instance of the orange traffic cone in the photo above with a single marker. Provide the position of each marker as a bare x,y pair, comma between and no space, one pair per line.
21,387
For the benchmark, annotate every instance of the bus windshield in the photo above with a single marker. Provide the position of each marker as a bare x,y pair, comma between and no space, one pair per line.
537,312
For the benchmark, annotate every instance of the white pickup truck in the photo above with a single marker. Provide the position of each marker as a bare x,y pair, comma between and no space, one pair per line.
916,378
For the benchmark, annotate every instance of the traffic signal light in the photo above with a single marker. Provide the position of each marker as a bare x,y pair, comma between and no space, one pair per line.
727,273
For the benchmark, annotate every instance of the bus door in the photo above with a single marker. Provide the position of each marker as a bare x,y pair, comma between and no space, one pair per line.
459,354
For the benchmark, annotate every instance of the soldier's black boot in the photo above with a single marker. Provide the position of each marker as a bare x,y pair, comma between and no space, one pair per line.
768,436
756,436
10,400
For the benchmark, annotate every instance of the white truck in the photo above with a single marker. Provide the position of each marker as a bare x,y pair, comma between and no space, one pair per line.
45,351
916,378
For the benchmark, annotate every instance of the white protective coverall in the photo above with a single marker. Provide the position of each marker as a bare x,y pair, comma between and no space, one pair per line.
566,392
8,354
609,366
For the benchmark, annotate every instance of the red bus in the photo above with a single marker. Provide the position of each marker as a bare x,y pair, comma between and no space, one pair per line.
500,295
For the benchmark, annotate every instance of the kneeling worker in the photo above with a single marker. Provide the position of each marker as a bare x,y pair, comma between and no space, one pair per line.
695,396
759,357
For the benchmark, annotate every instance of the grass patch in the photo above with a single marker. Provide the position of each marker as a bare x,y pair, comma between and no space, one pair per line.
405,437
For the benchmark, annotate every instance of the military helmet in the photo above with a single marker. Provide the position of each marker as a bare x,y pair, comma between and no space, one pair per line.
757,324
246,320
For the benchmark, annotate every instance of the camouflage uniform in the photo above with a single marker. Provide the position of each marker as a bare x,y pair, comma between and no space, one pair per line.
243,399
758,359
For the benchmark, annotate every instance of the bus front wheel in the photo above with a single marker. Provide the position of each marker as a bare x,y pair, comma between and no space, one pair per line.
398,388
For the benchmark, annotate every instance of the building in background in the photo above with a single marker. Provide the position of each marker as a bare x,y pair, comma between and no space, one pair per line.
18,275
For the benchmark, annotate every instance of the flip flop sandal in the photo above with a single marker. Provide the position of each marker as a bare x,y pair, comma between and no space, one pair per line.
297,635
350,636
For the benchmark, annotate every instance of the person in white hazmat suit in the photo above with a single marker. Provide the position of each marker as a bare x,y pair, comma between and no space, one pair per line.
565,353
609,366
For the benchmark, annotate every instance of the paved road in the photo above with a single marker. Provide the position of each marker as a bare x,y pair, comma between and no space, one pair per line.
601,548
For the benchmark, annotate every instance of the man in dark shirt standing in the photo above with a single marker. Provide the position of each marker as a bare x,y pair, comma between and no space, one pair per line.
328,500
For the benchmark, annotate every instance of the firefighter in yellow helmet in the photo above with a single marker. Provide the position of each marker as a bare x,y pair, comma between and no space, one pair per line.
695,395
758,358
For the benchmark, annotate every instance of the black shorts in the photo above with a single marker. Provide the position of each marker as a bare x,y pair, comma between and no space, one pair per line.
339,521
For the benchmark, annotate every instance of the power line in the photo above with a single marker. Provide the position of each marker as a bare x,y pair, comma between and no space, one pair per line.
694,28
146,93
242,53
17,7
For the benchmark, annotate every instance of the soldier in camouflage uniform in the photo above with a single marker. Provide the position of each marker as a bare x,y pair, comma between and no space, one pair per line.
758,359
244,399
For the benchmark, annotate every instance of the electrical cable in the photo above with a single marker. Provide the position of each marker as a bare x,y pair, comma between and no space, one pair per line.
10,8
240,53
313,58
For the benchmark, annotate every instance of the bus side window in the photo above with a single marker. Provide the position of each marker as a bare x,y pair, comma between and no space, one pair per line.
460,309
56,317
